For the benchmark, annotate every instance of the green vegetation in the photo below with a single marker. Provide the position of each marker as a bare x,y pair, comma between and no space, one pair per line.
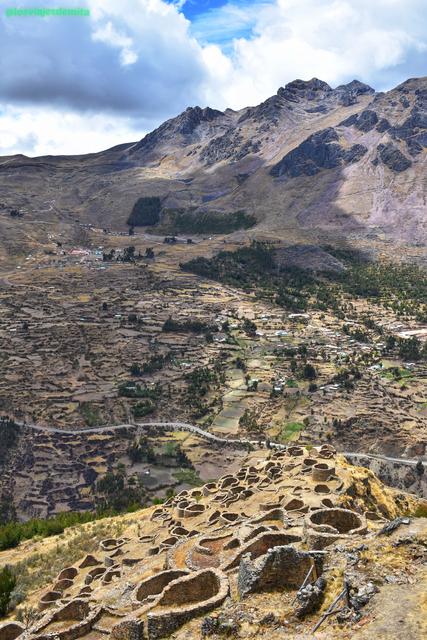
249,422
7,585
356,334
420,511
174,450
188,326
201,379
199,382
308,372
241,268
12,533
9,432
253,268
249,327
145,212
289,430
239,363
153,364
188,476
201,222
142,450
291,383
118,492
411,349
347,377
395,373
401,288
144,408
90,414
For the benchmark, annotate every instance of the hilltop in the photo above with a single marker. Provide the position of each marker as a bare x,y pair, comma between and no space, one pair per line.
230,558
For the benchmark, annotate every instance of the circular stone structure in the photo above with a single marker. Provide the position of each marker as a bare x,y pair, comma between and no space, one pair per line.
321,471
326,526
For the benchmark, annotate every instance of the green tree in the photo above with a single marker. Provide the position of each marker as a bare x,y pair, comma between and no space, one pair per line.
410,349
309,372
145,212
249,421
135,370
7,585
390,343
249,327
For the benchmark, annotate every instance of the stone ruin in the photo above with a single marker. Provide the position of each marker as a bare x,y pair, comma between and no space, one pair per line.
268,526
326,526
279,568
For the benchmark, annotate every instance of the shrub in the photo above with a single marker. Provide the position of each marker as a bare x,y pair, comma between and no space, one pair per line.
188,326
249,422
9,432
142,409
7,585
12,533
289,429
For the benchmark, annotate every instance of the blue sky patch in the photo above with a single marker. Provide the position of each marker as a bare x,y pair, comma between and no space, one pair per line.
221,21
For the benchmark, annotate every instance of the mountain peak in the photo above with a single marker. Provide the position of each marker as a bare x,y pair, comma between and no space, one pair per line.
356,87
304,89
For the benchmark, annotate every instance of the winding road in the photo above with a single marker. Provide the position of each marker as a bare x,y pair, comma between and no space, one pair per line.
184,426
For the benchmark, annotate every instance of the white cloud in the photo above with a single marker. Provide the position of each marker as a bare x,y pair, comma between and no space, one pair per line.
108,34
335,40
133,63
130,57
40,131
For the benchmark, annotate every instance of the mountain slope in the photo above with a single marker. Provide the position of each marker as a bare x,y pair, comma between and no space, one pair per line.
310,160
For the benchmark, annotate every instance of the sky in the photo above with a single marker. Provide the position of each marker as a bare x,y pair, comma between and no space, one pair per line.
80,84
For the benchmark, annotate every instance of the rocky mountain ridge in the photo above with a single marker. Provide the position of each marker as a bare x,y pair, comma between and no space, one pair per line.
309,162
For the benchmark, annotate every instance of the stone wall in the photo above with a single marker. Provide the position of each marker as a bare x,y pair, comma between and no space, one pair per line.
186,598
280,568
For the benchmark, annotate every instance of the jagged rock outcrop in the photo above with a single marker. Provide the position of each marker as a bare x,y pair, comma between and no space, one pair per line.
269,110
304,90
349,93
365,122
414,129
183,125
393,158
319,151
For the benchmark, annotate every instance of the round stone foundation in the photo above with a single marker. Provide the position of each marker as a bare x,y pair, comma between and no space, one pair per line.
326,526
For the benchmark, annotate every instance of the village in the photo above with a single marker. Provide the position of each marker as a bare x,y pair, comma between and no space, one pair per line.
117,333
